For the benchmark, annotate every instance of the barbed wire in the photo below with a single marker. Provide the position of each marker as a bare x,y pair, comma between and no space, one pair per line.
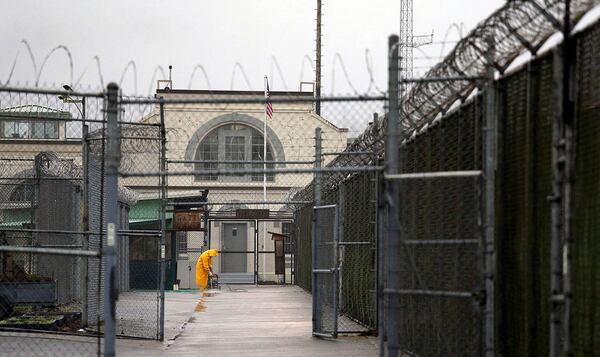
459,28
156,70
506,30
305,59
337,58
135,79
275,63
98,67
59,47
14,64
52,165
200,67
372,83
239,65
131,66
509,26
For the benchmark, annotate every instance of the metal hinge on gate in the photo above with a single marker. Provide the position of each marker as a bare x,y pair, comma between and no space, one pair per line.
481,297
325,271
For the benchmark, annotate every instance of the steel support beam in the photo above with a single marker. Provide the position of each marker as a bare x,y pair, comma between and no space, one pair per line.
113,157
49,251
392,195
315,224
432,175
489,167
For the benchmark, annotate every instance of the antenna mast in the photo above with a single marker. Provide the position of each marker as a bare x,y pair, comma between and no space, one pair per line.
318,61
407,41
406,38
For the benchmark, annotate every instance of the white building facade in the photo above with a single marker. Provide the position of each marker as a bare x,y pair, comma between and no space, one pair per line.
225,130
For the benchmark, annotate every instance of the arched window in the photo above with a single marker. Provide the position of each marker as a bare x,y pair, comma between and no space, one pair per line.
233,142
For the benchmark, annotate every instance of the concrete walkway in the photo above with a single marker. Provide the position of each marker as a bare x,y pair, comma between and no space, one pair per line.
246,321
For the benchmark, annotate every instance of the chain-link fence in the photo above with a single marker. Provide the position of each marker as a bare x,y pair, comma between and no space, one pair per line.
449,248
140,308
453,299
358,202
446,283
354,192
586,285
216,152
215,164
325,271
53,198
525,212
48,214
440,267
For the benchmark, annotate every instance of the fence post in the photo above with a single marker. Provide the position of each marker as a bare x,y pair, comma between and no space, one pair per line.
163,220
563,172
113,156
489,250
556,213
314,246
84,280
336,272
340,252
569,127
392,192
381,273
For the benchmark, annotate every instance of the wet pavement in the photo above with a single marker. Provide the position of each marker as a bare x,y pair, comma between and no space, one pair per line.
249,321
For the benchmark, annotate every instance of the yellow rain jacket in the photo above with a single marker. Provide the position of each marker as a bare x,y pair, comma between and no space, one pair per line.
203,266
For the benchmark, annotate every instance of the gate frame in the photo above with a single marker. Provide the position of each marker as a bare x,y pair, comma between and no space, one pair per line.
391,177
333,271
255,252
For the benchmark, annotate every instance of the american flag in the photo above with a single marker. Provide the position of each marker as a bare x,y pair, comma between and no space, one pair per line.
268,104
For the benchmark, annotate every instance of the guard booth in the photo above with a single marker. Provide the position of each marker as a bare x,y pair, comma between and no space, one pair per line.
250,243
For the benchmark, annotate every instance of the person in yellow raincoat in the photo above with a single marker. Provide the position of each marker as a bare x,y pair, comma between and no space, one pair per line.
204,268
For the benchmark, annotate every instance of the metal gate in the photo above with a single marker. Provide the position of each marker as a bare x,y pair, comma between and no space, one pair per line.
325,272
440,265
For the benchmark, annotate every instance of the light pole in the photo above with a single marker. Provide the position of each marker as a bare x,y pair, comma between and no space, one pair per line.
68,99
83,264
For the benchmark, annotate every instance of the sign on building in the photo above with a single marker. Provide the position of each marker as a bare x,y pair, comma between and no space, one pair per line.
188,220
279,240
252,213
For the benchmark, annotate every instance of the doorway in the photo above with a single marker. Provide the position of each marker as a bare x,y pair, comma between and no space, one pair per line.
234,247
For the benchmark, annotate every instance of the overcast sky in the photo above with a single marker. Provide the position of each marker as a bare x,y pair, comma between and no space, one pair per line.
216,35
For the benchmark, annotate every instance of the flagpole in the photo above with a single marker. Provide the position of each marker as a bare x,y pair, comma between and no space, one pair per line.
265,145
265,167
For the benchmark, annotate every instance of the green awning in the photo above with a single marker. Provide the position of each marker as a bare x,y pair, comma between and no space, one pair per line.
15,224
147,211
16,217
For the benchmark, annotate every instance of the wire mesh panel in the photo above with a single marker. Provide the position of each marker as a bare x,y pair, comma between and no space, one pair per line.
42,314
440,267
586,293
46,192
358,254
325,271
140,306
303,234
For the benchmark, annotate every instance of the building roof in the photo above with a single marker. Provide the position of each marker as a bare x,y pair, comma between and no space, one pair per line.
302,97
34,110
234,92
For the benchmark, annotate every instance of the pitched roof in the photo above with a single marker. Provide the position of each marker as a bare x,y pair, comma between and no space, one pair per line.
30,110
